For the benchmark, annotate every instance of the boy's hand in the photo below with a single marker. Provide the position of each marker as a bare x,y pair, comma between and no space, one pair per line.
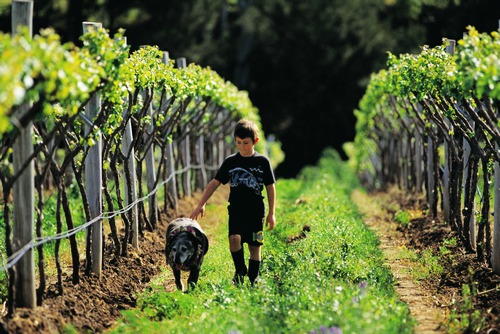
199,211
270,221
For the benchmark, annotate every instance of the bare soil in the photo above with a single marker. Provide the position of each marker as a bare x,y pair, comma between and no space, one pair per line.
94,304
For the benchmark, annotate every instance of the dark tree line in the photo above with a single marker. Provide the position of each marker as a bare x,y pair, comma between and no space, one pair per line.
304,63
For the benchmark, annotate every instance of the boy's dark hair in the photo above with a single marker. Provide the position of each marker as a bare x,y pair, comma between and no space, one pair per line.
246,129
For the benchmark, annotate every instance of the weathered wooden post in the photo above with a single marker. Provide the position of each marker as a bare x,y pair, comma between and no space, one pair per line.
186,180
22,16
431,183
185,145
446,181
151,171
130,189
419,157
200,155
405,160
212,156
150,163
466,170
172,183
450,48
93,173
221,150
495,261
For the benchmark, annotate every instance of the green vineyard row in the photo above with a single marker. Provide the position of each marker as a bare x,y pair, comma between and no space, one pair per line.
432,118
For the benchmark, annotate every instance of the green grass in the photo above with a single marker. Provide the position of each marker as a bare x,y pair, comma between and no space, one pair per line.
403,217
421,265
333,280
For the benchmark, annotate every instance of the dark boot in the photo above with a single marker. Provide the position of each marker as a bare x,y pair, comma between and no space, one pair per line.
239,264
253,270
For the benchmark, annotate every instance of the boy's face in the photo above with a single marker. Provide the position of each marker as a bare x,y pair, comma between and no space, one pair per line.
245,145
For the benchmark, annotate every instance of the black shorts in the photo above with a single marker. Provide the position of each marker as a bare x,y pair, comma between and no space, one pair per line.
249,225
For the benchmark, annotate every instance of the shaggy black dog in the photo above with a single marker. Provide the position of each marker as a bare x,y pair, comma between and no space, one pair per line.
185,249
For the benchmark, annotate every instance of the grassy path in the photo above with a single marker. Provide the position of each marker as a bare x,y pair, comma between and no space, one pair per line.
420,301
322,271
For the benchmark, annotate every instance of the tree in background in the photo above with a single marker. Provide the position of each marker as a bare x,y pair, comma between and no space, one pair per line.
304,63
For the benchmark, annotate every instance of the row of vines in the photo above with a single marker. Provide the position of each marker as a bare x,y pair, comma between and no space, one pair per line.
430,121
109,129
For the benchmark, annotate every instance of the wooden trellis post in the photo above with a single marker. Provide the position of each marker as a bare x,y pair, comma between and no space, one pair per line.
201,160
212,155
446,181
93,174
185,147
466,156
22,16
130,189
171,186
221,148
495,261
186,180
150,163
150,168
431,183
419,157
405,160
447,163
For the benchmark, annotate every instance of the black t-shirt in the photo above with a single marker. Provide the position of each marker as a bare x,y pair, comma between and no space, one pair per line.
247,177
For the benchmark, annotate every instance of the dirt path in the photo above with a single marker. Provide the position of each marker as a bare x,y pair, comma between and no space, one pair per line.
419,300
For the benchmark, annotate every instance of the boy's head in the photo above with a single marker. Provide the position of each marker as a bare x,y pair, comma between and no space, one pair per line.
246,129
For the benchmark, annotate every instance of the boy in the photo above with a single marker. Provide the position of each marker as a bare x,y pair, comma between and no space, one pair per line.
248,173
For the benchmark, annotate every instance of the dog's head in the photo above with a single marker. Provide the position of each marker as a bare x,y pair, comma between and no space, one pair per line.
186,244
183,248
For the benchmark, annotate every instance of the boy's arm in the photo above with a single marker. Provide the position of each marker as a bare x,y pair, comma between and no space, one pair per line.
209,190
271,198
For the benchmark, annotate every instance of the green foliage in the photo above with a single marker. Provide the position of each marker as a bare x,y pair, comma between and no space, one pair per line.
424,265
69,329
465,318
452,242
56,81
403,217
62,77
429,266
164,305
49,226
432,76
334,277
42,69
478,62
274,152
3,280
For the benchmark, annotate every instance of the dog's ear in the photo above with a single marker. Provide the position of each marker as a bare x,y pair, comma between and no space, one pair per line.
204,243
201,237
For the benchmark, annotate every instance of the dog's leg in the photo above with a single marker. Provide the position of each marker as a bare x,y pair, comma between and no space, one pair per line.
193,277
178,281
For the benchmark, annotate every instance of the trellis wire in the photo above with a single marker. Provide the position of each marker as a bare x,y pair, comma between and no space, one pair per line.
14,258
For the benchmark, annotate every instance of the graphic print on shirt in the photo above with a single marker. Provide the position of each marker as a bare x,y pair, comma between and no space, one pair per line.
241,176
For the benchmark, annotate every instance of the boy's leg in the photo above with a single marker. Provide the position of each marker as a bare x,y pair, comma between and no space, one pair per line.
238,256
254,263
